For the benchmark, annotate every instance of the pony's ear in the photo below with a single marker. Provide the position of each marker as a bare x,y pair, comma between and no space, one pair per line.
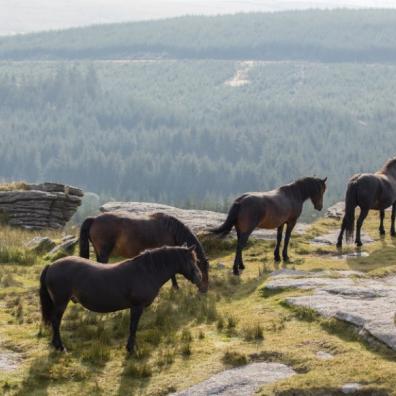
325,180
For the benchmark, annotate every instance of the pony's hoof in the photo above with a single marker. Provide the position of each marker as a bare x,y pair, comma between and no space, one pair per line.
60,348
241,267
339,245
277,259
286,259
359,244
236,272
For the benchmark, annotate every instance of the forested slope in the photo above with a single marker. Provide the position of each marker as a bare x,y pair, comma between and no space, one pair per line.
336,36
201,131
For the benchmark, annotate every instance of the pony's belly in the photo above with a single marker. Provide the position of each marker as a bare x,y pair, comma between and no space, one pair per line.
100,305
271,223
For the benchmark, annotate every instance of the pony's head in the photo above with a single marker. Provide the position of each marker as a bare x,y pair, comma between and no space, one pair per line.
317,190
390,167
190,268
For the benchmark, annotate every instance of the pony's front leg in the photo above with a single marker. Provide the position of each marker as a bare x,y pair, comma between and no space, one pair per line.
278,242
136,313
289,230
393,231
381,227
174,283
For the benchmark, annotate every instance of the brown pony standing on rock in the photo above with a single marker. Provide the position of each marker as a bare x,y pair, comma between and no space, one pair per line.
132,284
269,210
369,191
124,235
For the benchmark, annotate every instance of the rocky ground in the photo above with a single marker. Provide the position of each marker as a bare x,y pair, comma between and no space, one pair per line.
367,304
198,220
240,381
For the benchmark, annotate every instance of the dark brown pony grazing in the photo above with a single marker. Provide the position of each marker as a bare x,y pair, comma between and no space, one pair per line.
369,191
131,284
124,235
269,210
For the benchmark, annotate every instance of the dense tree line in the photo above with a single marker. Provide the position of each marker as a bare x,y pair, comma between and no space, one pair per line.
172,131
331,36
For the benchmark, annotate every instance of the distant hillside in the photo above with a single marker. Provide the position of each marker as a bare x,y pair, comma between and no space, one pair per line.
331,36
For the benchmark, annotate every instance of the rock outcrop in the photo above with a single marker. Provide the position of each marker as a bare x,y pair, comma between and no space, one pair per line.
241,381
198,220
40,206
336,211
368,304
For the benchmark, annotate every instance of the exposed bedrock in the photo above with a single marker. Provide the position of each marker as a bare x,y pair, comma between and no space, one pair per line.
40,206
368,304
198,220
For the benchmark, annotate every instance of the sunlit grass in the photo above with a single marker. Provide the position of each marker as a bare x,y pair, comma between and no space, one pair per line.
185,337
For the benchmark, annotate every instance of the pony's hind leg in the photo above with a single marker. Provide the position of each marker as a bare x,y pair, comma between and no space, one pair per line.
136,313
104,253
381,227
359,224
238,262
55,323
278,242
289,229
393,217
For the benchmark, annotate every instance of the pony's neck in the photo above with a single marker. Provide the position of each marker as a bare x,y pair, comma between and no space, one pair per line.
164,266
390,172
303,188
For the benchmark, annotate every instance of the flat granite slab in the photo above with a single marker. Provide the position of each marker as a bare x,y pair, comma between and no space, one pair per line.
198,220
241,381
368,304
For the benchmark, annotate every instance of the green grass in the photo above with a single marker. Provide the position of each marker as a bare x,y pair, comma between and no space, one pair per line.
185,337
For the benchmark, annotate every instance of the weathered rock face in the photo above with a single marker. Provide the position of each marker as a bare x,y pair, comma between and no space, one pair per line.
40,206
198,220
241,381
336,211
368,304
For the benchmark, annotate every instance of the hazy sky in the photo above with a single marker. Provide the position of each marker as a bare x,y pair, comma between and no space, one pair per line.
20,16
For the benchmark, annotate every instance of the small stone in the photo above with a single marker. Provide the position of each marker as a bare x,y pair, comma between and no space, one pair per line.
40,244
65,248
350,388
322,355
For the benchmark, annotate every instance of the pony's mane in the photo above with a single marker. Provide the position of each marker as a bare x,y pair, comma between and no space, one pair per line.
309,186
182,234
163,253
389,165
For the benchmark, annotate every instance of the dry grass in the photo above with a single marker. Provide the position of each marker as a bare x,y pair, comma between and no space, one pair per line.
185,337
19,185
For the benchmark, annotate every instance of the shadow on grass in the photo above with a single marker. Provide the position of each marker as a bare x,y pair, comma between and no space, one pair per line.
40,375
380,258
135,376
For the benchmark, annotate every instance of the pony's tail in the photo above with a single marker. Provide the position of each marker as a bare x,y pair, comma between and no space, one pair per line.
46,302
350,205
230,221
84,237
